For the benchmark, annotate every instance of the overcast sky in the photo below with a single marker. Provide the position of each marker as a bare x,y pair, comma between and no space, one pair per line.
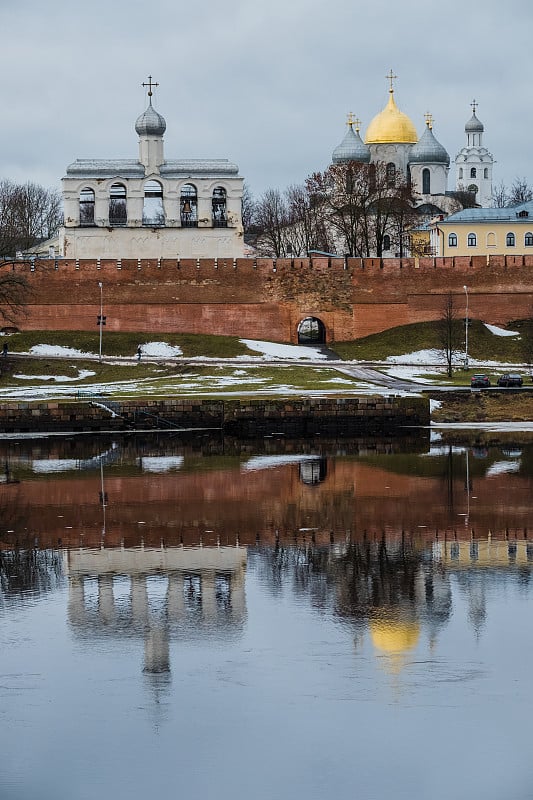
265,84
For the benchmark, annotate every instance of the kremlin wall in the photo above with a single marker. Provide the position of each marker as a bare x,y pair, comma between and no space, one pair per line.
268,298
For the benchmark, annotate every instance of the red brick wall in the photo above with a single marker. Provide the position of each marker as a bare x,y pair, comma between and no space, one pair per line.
266,299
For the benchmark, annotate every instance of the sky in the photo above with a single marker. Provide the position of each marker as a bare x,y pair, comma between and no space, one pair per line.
267,85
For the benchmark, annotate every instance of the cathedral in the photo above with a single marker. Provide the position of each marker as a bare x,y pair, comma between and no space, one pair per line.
151,207
392,139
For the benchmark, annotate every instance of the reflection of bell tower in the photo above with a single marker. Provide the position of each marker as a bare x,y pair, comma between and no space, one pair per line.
156,650
313,471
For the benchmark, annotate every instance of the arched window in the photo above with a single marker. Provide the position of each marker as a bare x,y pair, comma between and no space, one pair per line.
491,239
473,172
153,211
452,240
460,173
220,219
311,331
118,213
510,240
472,240
386,242
86,207
486,172
528,239
390,173
426,181
189,206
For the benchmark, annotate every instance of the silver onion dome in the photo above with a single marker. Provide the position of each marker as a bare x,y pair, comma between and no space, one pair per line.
428,150
474,125
150,123
352,148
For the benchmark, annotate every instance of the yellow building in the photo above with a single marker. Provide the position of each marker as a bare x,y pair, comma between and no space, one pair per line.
484,231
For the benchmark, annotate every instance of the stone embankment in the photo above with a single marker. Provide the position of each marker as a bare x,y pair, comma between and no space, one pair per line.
370,415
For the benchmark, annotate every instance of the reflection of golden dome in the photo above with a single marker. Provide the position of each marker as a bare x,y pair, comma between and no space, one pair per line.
391,125
394,636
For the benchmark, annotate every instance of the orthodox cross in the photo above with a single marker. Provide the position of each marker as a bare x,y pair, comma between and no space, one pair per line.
429,119
353,121
474,105
150,84
391,77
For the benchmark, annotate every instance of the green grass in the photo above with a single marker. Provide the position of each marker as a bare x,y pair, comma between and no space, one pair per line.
482,344
125,344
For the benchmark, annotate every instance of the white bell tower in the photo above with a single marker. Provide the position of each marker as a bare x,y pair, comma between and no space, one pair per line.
473,163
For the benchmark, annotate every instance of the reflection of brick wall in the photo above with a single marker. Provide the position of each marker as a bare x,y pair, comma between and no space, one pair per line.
265,298
355,501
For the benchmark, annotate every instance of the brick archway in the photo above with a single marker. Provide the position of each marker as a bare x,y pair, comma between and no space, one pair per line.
311,330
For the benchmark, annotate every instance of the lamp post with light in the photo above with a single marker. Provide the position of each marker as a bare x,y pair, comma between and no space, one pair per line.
101,319
466,328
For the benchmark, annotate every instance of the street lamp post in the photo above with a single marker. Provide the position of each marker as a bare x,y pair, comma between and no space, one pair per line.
466,328
101,319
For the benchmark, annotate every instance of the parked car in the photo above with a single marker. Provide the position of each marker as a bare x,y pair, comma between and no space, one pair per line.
479,381
510,379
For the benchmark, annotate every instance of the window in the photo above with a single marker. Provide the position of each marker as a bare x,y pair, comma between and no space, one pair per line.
510,240
189,206
460,173
426,181
491,239
452,240
153,212
486,172
528,239
118,214
390,173
86,207
523,214
472,240
386,242
220,219
473,172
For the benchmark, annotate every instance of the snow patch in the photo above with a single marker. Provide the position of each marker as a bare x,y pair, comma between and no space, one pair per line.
56,351
275,350
501,467
271,462
82,373
500,331
160,464
160,350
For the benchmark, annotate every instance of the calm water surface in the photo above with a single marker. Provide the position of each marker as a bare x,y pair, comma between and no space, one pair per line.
272,620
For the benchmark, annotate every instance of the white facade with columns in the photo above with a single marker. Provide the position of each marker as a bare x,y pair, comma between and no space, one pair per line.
152,207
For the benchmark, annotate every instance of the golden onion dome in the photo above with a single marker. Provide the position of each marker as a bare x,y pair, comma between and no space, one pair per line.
391,125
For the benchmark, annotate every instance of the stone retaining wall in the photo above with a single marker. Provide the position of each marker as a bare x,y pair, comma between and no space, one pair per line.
371,415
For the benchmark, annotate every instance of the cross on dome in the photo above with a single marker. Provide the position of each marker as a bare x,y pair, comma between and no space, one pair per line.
391,77
474,105
150,84
429,119
352,120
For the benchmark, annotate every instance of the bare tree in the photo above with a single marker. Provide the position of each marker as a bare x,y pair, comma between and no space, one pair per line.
29,214
449,332
362,204
521,192
247,208
306,229
500,195
272,218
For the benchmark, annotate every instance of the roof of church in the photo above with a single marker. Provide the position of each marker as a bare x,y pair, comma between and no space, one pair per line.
352,148
150,122
428,150
131,168
391,126
474,125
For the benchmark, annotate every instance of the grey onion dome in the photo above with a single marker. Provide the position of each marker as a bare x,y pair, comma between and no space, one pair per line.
150,123
352,148
474,125
428,150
